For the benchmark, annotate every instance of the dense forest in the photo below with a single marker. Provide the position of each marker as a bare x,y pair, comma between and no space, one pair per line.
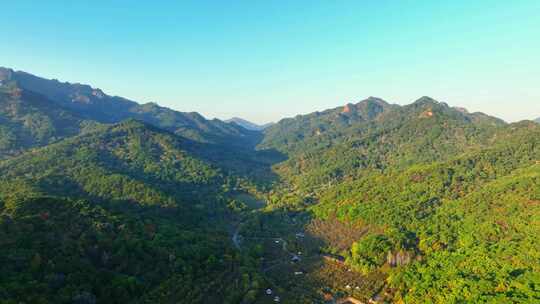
119,213
104,200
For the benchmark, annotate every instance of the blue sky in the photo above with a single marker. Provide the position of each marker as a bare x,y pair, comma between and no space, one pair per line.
265,60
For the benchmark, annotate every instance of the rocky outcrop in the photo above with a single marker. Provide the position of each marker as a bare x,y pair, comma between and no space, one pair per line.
348,108
400,258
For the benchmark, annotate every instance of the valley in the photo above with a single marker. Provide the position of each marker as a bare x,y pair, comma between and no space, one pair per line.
105,200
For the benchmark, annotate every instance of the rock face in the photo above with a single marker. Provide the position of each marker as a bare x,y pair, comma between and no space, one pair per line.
347,108
426,114
400,258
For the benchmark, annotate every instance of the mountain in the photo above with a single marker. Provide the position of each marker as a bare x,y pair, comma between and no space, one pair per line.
291,134
247,124
28,119
129,162
537,120
354,120
93,104
342,143
408,189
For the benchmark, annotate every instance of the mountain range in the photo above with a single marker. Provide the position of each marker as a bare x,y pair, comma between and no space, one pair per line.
103,199
93,104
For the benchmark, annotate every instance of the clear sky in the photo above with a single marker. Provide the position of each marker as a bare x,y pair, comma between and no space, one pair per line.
265,60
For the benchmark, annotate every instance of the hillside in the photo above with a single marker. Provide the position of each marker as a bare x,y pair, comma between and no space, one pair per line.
343,143
369,117
130,161
93,104
320,128
490,249
133,208
454,231
457,222
28,120
76,251
106,200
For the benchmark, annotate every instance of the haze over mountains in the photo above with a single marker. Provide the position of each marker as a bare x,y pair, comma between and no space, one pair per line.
103,199
248,125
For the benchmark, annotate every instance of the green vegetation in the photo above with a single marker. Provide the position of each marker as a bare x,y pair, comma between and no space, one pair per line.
458,230
93,104
119,214
481,248
391,137
69,250
421,203
27,120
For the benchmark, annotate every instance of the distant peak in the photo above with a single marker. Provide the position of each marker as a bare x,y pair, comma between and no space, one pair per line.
247,124
426,100
98,93
235,119
375,99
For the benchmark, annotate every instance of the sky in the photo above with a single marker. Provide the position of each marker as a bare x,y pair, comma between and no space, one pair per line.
266,60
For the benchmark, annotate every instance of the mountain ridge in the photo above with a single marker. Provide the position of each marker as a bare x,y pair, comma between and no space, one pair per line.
28,120
93,104
366,113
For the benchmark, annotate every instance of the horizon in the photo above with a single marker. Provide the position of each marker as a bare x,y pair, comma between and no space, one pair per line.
279,119
267,61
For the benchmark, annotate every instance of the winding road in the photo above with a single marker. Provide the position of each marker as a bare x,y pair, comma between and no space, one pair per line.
235,237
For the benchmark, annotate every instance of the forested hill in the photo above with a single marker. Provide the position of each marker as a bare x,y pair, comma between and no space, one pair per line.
93,104
126,212
342,143
461,230
372,116
128,162
28,120
56,250
294,134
